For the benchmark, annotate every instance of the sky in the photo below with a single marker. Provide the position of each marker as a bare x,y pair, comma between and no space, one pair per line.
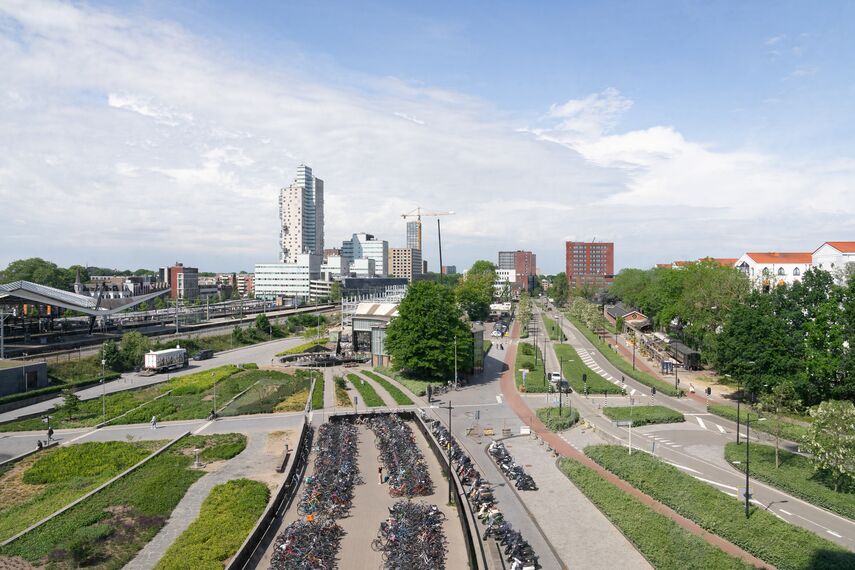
140,133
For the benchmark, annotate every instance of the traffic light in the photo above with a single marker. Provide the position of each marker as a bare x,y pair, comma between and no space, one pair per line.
653,391
708,391
584,378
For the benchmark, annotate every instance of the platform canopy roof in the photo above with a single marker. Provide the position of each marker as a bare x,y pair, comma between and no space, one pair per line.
27,292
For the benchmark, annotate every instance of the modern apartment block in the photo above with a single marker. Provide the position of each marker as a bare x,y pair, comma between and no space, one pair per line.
405,262
414,235
287,280
449,269
301,214
246,284
366,246
524,264
183,281
590,264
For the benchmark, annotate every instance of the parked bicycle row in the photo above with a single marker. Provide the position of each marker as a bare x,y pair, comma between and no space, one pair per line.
412,538
510,468
311,545
405,466
329,490
517,551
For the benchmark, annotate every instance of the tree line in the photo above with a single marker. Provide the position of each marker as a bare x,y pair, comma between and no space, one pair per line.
799,335
38,270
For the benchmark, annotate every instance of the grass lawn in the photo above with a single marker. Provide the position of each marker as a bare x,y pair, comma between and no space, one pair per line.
41,484
790,431
272,390
400,398
664,543
318,394
775,541
555,333
622,365
796,476
303,347
228,514
643,415
572,368
110,527
417,387
536,377
556,421
369,396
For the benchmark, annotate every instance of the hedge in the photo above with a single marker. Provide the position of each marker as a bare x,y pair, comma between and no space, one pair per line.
663,542
789,431
396,393
572,369
556,421
622,365
110,527
228,514
318,394
796,476
770,539
369,395
643,415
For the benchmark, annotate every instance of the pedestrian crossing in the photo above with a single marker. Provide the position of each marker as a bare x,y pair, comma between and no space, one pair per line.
587,357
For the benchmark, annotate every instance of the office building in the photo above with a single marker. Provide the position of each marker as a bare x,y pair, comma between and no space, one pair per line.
366,246
287,280
301,215
449,269
246,284
590,265
405,262
183,281
524,264
414,235
335,266
362,268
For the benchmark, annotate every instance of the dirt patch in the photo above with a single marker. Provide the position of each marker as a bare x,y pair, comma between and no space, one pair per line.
294,403
208,398
15,563
13,491
276,441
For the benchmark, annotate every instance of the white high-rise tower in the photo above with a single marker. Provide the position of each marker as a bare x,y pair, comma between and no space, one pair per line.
301,213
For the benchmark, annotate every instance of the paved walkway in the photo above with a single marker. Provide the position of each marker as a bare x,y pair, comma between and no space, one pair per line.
329,389
516,402
244,465
581,534
381,391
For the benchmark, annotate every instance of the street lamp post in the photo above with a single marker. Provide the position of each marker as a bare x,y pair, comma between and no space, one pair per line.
215,394
455,362
103,390
560,382
448,452
738,402
747,460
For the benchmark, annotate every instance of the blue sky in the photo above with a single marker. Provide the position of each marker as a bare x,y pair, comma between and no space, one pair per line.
677,129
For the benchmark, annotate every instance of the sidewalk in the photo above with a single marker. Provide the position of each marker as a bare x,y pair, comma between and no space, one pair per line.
515,401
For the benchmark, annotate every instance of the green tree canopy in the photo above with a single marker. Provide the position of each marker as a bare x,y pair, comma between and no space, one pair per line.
559,289
421,338
475,291
831,440
262,323
133,348
39,271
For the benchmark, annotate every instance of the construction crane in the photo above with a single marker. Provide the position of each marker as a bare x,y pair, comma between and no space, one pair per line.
418,213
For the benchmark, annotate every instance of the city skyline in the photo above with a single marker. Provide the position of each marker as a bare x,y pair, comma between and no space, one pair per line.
149,131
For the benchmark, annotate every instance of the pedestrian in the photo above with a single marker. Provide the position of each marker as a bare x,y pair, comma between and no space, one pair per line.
429,393
380,475
153,422
49,434
39,445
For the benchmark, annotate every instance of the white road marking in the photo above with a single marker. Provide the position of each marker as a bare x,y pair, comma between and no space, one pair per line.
832,533
70,441
683,467
721,429
701,422
716,483
632,392
202,427
676,445
499,398
786,512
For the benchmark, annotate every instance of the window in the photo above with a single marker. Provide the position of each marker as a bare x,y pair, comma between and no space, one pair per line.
796,272
781,272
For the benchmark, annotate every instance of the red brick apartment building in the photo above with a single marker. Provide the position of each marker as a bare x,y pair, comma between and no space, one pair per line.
590,264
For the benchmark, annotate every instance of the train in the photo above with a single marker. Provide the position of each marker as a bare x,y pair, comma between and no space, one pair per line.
690,359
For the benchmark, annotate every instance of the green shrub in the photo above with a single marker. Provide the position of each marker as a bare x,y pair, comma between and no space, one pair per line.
369,395
227,516
663,542
765,536
643,415
796,476
249,366
400,398
624,366
790,431
318,394
556,421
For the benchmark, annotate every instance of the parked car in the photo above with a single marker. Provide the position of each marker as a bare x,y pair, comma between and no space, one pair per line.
203,355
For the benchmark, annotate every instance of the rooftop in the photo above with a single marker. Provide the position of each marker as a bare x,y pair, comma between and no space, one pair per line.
781,257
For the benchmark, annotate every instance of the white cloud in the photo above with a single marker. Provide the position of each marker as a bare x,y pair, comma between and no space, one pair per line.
132,142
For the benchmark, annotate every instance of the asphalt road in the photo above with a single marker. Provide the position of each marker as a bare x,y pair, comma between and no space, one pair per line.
696,446
261,354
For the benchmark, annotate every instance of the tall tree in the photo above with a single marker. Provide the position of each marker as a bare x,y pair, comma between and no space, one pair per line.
780,400
475,291
421,338
559,290
831,440
39,271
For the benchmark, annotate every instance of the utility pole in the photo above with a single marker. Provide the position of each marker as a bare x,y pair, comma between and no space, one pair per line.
455,362
747,460
448,451
560,383
103,391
